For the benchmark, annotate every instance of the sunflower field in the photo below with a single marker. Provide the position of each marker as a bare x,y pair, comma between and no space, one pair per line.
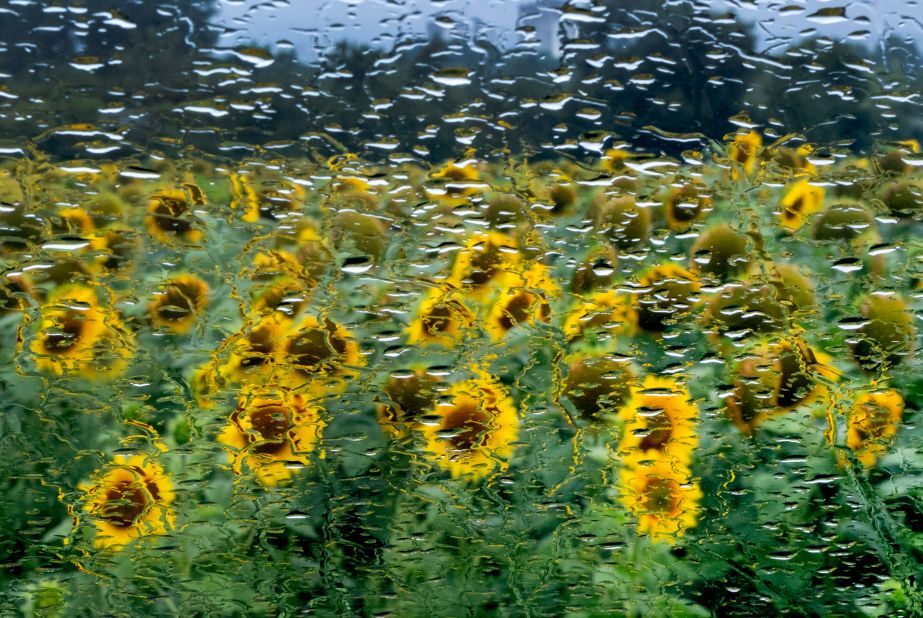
639,385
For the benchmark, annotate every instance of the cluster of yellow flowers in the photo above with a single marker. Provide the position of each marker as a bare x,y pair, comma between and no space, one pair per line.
503,226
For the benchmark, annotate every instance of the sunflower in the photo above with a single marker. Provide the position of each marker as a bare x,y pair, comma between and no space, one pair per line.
273,201
206,382
661,494
660,416
665,292
71,222
285,295
272,264
455,183
744,150
776,377
442,319
515,306
489,259
408,397
609,310
359,233
793,159
319,349
873,423
473,431
114,249
130,498
254,350
894,162
16,291
555,187
272,434
106,208
720,252
352,190
350,184
244,198
621,220
800,201
179,303
887,335
526,303
169,216
615,160
597,384
112,353
771,299
596,271
78,335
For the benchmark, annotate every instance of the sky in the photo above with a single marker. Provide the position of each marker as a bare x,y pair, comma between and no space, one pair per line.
309,26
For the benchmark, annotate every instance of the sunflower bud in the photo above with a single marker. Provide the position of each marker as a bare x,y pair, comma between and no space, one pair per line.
762,304
365,233
887,335
774,378
687,202
596,271
563,194
793,288
720,251
892,163
843,221
621,221
669,292
106,209
903,199
504,209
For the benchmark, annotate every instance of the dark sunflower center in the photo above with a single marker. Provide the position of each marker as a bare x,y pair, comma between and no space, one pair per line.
259,347
660,495
658,430
455,178
874,424
119,248
466,426
287,298
314,348
669,297
124,503
516,310
271,423
411,397
686,204
438,319
744,152
167,214
178,301
66,335
484,265
793,209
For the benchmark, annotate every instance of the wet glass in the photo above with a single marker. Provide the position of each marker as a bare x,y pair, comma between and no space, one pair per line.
446,308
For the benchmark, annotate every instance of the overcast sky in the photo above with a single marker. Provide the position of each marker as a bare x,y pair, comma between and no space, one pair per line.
312,25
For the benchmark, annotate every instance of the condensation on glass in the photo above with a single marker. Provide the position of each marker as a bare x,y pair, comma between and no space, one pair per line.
444,308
